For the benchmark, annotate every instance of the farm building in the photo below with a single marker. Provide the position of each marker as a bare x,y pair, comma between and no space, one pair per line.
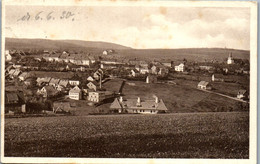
138,106
204,85
75,93
179,68
217,77
151,79
14,102
242,94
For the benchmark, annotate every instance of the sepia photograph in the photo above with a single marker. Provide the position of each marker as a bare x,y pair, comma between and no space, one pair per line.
128,81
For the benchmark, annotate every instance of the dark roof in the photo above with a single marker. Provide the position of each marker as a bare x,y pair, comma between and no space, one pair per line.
242,91
145,104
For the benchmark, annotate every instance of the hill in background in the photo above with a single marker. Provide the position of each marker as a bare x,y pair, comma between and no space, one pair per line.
96,48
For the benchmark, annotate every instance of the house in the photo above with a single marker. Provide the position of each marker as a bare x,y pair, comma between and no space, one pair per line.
134,72
151,106
144,70
75,80
62,106
179,68
63,83
105,52
205,67
217,77
90,78
99,96
8,57
48,91
167,64
204,85
54,82
92,59
154,70
14,73
30,81
14,102
230,60
151,79
75,93
23,76
93,85
64,56
8,68
11,72
40,80
54,57
242,94
98,74
85,61
108,66
108,52
162,70
143,63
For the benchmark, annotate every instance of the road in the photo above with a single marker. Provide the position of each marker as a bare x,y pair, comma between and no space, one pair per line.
220,94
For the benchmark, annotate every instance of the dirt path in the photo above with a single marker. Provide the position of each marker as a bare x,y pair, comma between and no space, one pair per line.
220,94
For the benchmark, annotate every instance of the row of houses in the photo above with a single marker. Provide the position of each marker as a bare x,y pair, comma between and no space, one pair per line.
77,59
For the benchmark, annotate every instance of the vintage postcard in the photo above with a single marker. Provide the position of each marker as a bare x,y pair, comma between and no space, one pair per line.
129,82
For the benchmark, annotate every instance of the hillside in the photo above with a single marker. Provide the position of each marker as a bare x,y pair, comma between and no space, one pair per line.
14,43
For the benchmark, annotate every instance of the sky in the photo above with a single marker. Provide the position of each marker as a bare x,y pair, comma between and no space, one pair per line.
136,27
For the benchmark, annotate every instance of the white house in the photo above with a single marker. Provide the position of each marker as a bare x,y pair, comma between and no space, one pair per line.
204,85
134,72
230,60
96,96
179,68
144,70
90,78
23,76
241,94
8,57
75,93
105,52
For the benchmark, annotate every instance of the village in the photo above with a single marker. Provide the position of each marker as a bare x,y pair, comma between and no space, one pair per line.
62,82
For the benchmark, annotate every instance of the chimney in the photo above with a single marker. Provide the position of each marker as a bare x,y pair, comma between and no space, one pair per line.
100,84
138,101
156,100
120,99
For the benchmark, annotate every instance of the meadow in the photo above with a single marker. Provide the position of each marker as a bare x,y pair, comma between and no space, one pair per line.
178,135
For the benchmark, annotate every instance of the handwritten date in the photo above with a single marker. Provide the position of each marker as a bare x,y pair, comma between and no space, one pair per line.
65,15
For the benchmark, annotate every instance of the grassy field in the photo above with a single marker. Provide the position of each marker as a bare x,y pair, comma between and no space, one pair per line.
183,97
180,135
